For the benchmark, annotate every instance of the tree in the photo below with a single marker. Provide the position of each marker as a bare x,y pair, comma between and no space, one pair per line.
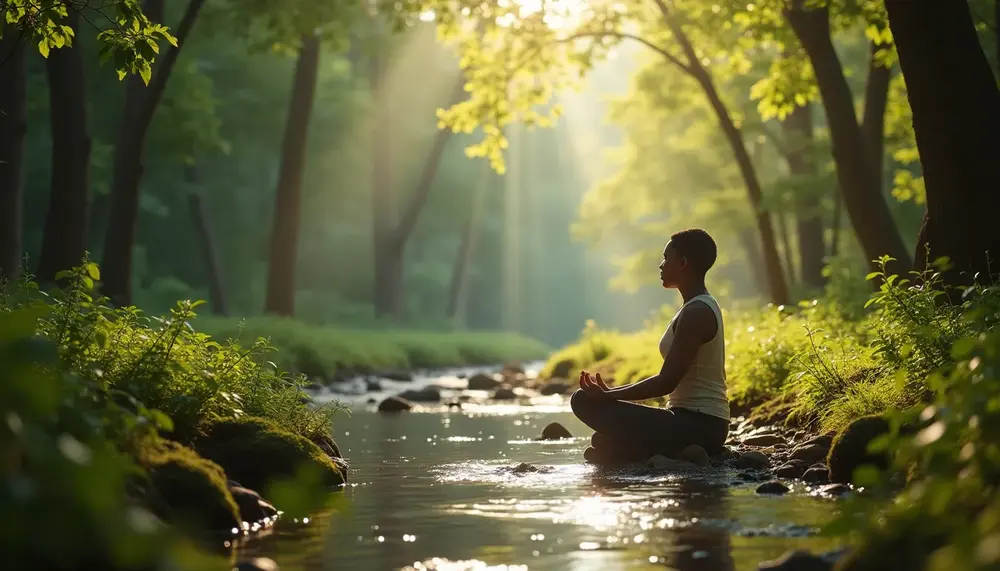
858,178
520,57
137,115
13,126
288,201
392,231
65,239
812,248
956,117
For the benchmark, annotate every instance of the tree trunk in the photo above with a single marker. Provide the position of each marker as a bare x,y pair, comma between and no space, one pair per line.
837,223
755,261
866,205
777,288
956,120
460,269
873,120
65,240
203,231
786,247
288,198
140,107
13,128
798,128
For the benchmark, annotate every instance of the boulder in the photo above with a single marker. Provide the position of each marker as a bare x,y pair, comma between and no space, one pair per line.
696,455
256,452
184,488
373,385
850,448
556,388
252,507
481,382
773,487
753,460
426,394
555,431
512,368
503,393
835,490
394,404
816,475
763,440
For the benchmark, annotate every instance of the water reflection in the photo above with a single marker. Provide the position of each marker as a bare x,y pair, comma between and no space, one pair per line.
443,485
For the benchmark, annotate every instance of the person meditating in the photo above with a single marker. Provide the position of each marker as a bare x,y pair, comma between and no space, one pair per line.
693,375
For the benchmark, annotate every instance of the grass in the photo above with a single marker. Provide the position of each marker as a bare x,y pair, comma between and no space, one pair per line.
325,352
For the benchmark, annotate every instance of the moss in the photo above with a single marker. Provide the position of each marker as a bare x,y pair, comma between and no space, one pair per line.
850,448
184,488
254,452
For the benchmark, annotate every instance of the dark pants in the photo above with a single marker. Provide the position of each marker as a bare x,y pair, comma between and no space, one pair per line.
629,431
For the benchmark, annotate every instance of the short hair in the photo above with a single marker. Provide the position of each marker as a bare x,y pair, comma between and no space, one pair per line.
697,246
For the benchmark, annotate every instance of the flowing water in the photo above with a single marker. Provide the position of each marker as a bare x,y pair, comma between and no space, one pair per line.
436,488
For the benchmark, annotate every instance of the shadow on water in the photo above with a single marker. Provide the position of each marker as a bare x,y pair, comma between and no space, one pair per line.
440,484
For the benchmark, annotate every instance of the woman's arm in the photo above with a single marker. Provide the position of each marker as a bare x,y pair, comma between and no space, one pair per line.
695,326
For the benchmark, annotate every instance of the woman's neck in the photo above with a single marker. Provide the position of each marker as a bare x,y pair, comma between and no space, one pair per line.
692,290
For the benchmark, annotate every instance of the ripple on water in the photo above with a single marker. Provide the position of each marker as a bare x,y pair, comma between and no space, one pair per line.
439,564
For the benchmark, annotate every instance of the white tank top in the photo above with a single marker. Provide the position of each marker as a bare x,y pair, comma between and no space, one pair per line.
703,387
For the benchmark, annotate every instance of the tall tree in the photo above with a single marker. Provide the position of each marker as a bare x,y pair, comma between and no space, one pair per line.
13,127
798,126
288,198
391,235
65,239
458,288
859,181
512,59
956,118
137,115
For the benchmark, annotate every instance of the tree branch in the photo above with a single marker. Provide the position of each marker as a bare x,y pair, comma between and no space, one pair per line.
158,84
626,36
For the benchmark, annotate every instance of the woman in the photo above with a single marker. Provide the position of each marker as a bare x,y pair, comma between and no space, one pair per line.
693,375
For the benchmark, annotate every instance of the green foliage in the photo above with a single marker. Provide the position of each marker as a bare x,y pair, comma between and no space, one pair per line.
130,39
257,453
323,351
163,364
952,458
62,479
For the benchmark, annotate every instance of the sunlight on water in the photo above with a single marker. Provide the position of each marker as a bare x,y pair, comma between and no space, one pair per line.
476,489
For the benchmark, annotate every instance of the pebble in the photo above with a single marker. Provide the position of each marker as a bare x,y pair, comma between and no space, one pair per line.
426,394
773,487
753,460
555,431
810,453
763,440
696,455
817,475
835,490
257,564
394,404
791,469
503,393
481,382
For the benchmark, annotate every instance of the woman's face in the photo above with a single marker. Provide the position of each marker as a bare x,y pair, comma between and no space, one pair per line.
671,267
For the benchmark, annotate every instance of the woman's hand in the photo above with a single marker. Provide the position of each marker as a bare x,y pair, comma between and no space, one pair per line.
594,385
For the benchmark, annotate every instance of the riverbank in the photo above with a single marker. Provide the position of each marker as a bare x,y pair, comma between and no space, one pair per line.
329,354
899,386
163,445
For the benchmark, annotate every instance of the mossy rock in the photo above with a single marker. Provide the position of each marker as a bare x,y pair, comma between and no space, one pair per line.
849,450
255,452
563,369
903,541
183,488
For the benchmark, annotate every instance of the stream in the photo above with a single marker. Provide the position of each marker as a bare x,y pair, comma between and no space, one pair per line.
436,488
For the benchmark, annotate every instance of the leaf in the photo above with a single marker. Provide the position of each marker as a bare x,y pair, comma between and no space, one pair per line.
145,72
43,48
93,271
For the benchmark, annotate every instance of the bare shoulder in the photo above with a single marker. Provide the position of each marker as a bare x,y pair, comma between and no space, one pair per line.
699,319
